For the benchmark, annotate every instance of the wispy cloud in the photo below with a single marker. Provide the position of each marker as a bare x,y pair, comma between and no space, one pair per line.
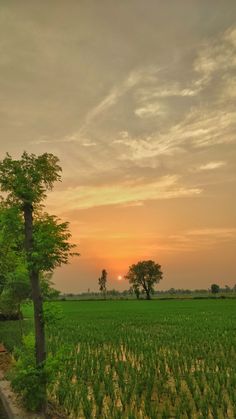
216,55
119,194
113,96
199,130
217,232
150,110
212,165
191,240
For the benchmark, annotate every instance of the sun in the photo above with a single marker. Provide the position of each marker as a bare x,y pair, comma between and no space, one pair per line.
119,277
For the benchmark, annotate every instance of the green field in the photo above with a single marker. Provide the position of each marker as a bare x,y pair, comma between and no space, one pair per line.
143,359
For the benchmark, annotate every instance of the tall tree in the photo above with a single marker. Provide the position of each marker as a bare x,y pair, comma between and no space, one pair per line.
144,275
46,245
26,182
102,282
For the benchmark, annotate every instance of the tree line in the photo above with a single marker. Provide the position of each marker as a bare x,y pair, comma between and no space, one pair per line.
142,276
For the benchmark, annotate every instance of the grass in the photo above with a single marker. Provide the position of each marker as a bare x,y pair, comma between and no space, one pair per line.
142,359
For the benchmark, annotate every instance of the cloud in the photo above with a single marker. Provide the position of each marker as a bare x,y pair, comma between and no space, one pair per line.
119,194
215,56
195,240
165,90
150,110
89,144
217,232
199,129
212,165
117,91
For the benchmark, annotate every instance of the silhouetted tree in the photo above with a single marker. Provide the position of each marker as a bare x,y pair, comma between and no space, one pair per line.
102,282
144,275
215,288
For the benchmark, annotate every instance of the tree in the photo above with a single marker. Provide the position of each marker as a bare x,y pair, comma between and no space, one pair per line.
102,282
144,274
135,289
26,182
14,280
51,248
48,291
46,243
215,288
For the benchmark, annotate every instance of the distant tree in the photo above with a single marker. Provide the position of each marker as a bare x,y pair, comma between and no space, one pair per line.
102,282
113,293
143,276
172,291
215,288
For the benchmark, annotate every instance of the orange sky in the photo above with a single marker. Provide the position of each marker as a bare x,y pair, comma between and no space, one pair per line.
137,99
183,235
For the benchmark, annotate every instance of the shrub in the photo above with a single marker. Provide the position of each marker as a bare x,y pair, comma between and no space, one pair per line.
28,380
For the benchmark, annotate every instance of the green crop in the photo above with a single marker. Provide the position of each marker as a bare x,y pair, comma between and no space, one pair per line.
144,359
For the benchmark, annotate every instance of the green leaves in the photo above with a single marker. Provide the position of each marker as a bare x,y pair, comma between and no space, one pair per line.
14,280
27,180
51,246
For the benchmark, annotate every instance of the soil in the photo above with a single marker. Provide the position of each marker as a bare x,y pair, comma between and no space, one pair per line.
2,412
54,412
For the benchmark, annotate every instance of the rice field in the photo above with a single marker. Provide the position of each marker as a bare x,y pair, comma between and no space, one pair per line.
143,359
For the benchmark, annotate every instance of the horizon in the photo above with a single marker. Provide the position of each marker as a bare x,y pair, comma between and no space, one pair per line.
179,290
138,102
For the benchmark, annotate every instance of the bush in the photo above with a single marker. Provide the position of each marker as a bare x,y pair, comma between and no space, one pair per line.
28,380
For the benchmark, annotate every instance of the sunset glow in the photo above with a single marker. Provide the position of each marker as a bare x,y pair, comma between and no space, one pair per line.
143,122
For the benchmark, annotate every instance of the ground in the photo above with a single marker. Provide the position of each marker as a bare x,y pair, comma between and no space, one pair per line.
141,359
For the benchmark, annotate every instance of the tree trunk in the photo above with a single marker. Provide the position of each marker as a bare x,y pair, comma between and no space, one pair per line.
40,346
20,320
146,289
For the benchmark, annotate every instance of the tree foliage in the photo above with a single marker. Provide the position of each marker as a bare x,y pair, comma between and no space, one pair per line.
102,282
14,278
215,288
143,276
52,247
27,180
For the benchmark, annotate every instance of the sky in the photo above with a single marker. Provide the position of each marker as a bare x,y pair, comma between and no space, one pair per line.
137,99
